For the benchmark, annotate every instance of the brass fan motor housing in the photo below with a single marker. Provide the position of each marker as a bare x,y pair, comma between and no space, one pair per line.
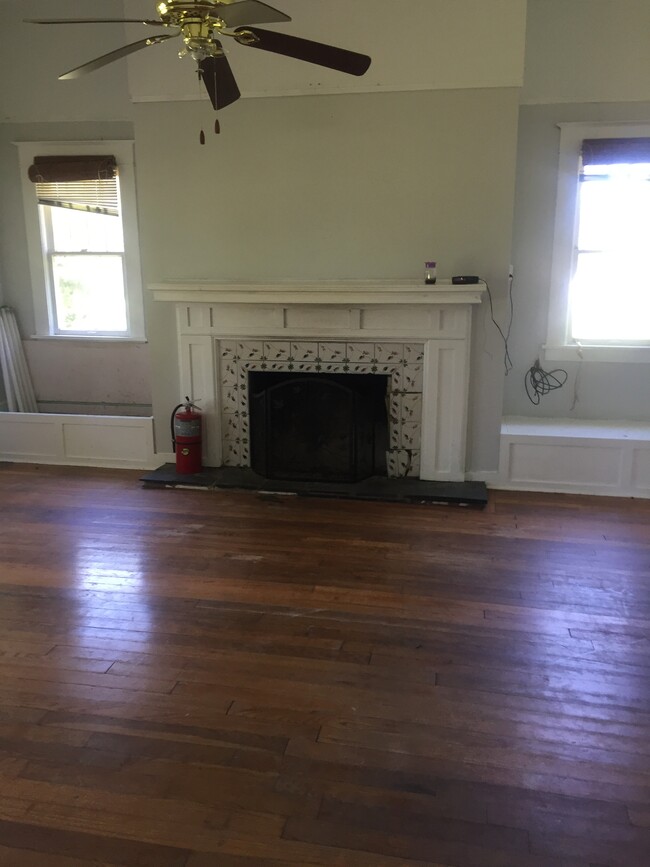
178,13
198,24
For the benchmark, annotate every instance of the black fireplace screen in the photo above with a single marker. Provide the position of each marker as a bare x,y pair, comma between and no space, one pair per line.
318,426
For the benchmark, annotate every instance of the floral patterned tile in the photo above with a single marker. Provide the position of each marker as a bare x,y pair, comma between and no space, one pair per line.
395,463
250,349
230,399
361,352
400,463
229,371
413,353
242,378
232,454
414,469
230,427
411,435
395,408
228,348
395,434
412,377
274,366
384,369
412,408
332,351
307,351
277,350
385,352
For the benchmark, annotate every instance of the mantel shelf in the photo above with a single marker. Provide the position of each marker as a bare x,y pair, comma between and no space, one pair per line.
338,292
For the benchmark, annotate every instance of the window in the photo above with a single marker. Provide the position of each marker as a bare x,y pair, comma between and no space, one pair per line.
600,292
82,236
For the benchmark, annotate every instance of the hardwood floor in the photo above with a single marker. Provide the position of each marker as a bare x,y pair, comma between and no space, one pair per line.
194,679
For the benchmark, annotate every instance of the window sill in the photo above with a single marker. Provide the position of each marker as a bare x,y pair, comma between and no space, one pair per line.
87,338
625,354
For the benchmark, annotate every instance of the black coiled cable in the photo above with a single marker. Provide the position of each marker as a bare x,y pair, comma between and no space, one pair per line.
540,382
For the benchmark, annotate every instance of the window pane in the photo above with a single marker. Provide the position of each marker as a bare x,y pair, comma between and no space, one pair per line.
89,293
610,297
80,231
614,213
610,292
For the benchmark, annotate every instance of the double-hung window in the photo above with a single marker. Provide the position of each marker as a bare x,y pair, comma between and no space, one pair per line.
82,237
600,293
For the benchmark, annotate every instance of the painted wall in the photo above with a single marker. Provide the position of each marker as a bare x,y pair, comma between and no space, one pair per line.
35,106
587,51
594,51
358,186
103,377
33,56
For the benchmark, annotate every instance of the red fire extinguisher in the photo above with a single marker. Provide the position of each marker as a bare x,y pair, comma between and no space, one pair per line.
186,437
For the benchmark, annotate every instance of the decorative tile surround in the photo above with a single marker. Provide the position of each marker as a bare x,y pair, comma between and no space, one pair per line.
402,362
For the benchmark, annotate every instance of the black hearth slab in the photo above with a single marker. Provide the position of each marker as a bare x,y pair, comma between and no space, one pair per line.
375,488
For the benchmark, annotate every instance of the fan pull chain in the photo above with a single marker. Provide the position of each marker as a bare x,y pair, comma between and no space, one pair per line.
217,130
217,127
199,79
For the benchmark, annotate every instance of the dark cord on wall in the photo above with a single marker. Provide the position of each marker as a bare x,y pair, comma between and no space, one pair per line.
541,382
507,360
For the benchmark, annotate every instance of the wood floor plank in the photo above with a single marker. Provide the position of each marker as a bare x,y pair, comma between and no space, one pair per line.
223,679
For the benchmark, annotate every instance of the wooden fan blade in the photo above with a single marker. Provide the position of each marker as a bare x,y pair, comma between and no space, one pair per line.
250,12
219,81
304,49
105,59
92,21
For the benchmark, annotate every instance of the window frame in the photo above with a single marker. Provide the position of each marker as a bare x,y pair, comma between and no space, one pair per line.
559,345
42,290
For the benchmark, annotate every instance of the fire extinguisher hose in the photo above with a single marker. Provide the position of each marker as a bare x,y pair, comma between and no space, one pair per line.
174,411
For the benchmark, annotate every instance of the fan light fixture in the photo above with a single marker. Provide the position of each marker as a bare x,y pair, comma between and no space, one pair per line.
202,24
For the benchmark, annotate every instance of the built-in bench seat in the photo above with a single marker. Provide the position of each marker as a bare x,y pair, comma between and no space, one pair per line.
575,456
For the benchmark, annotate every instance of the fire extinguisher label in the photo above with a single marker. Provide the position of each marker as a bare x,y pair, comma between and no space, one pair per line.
187,428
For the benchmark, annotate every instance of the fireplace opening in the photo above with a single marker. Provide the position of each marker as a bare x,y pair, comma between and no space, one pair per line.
325,427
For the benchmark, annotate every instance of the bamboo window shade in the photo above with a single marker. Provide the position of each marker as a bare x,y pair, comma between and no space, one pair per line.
609,151
83,183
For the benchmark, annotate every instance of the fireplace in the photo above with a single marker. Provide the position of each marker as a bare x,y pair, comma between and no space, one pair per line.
330,427
417,336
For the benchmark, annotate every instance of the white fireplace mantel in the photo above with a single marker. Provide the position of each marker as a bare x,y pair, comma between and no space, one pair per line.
416,335
345,292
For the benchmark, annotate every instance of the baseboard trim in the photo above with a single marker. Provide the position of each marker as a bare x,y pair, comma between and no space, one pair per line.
489,477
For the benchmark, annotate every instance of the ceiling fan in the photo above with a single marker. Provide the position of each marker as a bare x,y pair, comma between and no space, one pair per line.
202,24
